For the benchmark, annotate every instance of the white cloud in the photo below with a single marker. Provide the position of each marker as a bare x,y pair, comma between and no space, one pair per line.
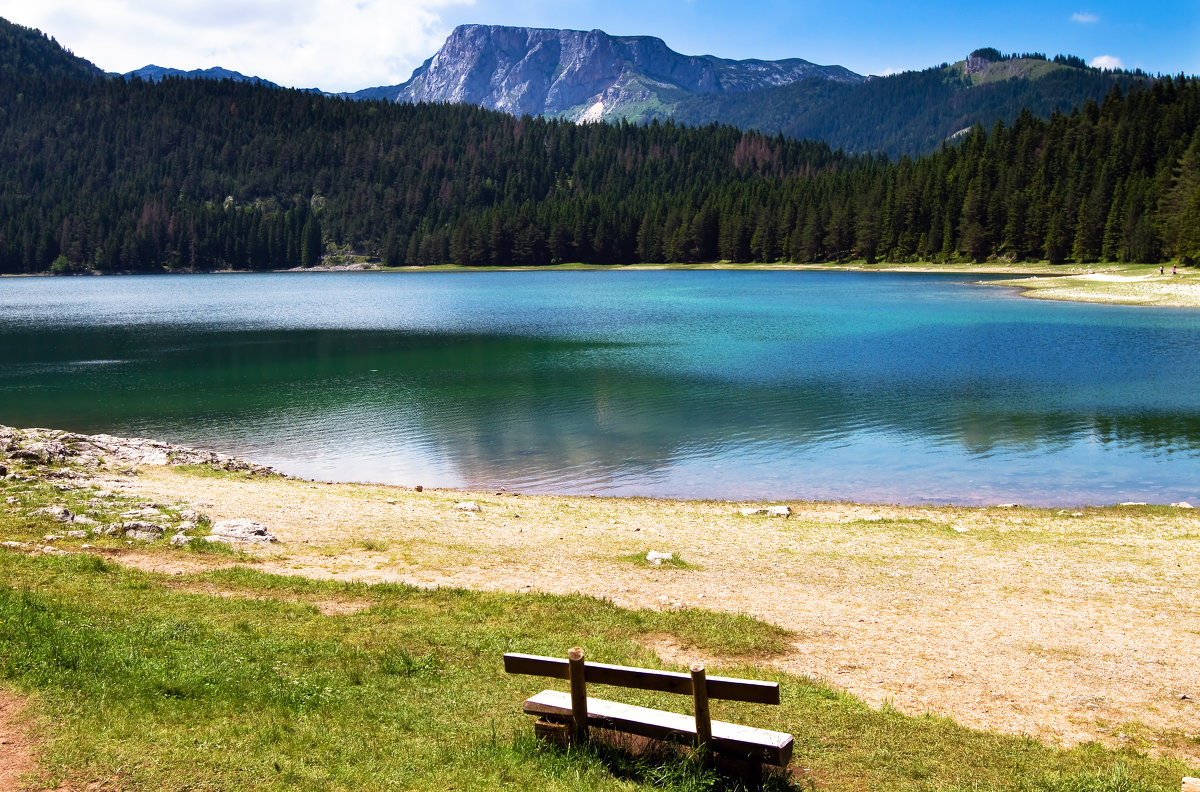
332,44
1084,18
1107,62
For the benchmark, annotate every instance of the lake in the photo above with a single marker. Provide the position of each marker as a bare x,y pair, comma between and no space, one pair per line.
876,387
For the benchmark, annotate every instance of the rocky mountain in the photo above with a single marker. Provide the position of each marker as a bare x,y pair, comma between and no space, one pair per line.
585,75
154,73
592,76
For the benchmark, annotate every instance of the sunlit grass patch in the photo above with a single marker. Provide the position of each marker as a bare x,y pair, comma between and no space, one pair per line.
652,560
235,679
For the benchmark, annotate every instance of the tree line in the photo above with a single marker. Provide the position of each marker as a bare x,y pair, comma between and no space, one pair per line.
126,175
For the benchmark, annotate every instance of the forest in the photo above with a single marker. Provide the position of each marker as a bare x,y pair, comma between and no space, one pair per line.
122,175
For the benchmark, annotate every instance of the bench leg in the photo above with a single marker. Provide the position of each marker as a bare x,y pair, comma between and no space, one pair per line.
579,710
557,733
700,707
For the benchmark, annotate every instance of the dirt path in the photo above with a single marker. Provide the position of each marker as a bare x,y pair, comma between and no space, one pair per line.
16,751
1066,626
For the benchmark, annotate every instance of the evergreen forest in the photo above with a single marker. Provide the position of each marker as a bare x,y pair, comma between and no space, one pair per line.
185,175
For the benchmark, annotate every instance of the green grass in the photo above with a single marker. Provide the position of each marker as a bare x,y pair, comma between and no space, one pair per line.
159,684
238,680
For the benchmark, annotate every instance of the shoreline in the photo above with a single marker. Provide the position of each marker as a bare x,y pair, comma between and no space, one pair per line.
1113,284
1069,626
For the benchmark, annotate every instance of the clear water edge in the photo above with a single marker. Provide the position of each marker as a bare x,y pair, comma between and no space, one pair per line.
735,385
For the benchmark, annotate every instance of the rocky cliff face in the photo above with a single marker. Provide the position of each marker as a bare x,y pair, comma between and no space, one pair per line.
584,75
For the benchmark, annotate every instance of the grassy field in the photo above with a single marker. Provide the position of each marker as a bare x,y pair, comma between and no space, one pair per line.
233,679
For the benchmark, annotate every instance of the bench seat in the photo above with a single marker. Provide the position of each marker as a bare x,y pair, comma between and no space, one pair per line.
763,745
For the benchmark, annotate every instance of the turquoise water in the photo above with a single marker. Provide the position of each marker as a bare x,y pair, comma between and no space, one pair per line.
857,386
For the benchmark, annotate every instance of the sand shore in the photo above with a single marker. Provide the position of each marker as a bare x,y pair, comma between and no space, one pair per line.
1066,626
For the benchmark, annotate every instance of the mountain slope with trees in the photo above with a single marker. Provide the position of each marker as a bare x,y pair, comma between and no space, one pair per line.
914,112
118,175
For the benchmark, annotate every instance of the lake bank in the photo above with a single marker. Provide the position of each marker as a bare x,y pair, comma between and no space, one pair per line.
1117,284
1071,626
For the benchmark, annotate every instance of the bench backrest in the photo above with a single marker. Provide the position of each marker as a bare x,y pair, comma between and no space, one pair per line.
726,688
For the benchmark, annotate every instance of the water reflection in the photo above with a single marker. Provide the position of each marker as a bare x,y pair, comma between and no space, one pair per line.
941,394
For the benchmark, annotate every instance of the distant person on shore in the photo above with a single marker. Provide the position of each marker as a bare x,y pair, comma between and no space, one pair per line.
1173,272
1160,269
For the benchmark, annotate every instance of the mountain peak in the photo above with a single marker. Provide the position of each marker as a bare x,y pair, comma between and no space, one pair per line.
587,75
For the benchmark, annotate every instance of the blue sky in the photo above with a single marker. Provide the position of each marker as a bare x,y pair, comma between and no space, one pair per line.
349,44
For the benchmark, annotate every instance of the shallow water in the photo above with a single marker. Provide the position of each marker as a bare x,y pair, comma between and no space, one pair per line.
831,385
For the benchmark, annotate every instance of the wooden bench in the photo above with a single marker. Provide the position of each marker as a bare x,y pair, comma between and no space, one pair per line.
577,712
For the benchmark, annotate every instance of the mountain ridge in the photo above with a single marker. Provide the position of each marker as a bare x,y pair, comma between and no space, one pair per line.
598,77
583,75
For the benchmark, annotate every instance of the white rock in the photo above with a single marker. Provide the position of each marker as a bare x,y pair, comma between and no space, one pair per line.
76,534
83,519
752,512
656,558
142,526
143,536
467,506
14,545
180,540
189,515
1132,503
58,513
779,511
241,530
1183,505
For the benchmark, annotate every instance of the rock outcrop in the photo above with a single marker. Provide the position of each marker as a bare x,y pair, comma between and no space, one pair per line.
51,447
584,75
83,462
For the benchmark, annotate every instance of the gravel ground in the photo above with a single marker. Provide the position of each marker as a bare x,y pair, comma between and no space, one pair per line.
1067,626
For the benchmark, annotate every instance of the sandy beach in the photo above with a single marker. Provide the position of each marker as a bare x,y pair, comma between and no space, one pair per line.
1069,626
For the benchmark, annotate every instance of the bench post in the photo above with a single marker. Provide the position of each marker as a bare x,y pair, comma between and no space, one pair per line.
703,719
579,708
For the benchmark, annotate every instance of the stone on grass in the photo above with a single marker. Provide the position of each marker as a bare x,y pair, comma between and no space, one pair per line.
143,536
242,530
779,511
141,525
57,513
752,512
1182,505
467,506
181,540
656,558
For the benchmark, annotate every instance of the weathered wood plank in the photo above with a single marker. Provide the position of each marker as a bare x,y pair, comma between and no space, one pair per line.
725,688
762,745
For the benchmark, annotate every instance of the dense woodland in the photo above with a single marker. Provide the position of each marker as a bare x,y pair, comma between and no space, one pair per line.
118,175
